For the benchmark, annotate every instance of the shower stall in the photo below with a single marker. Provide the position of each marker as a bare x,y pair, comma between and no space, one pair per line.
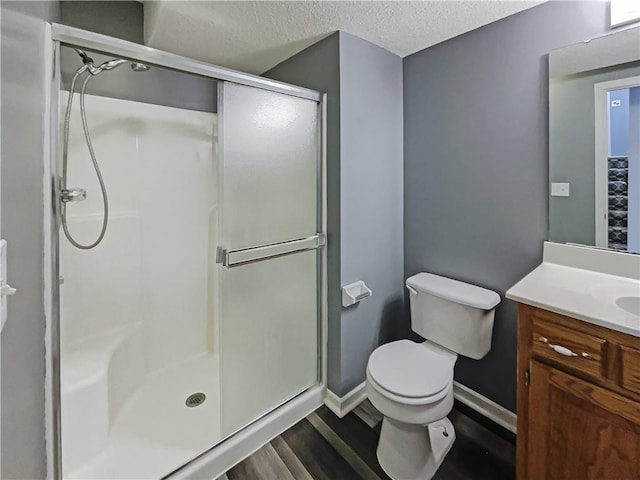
186,258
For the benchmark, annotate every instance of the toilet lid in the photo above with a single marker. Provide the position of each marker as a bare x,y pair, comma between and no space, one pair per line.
410,369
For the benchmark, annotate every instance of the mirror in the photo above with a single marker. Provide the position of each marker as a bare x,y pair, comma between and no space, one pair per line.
594,142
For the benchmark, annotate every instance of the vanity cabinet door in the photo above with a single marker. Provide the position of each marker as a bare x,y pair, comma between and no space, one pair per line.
578,430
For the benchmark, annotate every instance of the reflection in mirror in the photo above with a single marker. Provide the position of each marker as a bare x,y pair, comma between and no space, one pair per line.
617,179
594,142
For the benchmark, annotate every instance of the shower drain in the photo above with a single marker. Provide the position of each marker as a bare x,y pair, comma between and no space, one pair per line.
195,399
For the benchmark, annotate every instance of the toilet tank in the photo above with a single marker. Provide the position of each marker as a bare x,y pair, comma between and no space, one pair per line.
453,314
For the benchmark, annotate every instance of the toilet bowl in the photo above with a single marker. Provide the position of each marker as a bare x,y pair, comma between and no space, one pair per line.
411,383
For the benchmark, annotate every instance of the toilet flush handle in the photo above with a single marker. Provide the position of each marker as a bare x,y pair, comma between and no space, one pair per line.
412,290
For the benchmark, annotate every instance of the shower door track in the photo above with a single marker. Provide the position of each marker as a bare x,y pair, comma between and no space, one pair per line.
142,53
250,433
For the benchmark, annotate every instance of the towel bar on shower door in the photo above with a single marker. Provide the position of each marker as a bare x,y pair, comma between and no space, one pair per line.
233,258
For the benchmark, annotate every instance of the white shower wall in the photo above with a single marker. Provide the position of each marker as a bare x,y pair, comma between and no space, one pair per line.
154,266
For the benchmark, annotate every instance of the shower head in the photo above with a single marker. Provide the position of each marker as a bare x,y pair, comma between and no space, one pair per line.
108,65
116,62
111,64
139,67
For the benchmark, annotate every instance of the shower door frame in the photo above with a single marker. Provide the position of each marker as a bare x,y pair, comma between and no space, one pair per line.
71,36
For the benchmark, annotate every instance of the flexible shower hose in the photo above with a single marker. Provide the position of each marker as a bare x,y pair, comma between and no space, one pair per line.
96,166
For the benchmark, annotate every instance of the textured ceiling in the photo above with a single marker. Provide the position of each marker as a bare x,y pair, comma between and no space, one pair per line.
253,36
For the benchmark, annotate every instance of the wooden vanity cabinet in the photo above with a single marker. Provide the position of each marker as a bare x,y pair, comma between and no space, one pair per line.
578,400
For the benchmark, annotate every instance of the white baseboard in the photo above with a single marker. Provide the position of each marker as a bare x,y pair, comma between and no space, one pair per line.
472,399
488,408
343,405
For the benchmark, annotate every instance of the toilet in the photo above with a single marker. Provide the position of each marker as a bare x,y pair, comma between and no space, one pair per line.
411,383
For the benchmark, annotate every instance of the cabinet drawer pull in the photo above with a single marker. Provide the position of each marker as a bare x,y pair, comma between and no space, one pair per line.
563,350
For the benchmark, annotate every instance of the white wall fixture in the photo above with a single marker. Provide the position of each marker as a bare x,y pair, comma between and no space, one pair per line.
559,189
354,293
5,288
624,11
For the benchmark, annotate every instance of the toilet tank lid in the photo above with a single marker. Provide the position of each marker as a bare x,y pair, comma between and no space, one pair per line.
454,290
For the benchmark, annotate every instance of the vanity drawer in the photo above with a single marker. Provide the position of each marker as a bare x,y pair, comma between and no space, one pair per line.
577,350
630,360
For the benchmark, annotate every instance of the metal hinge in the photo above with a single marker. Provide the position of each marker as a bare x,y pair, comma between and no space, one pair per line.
221,254
527,376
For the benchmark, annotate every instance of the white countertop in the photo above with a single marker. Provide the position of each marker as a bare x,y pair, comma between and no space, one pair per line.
583,294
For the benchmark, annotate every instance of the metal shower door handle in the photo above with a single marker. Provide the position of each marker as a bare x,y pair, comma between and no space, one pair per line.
233,258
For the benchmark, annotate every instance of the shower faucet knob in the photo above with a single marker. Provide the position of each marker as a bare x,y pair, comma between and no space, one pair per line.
73,195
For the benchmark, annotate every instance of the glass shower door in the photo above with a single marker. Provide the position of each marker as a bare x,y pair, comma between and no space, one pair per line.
268,257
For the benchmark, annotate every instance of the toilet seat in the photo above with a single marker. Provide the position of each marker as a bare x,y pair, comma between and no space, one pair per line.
408,401
410,372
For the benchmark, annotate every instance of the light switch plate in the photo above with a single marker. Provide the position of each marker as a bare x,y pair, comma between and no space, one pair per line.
559,189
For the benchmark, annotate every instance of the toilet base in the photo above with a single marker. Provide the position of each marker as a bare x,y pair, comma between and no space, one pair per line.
414,452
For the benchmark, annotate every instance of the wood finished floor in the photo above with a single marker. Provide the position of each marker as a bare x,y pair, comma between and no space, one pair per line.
325,447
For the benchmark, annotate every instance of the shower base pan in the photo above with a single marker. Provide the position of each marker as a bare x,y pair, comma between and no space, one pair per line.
139,446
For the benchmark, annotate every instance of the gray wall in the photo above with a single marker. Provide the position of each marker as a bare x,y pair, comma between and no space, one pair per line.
476,168
22,147
370,199
122,19
364,87
572,151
